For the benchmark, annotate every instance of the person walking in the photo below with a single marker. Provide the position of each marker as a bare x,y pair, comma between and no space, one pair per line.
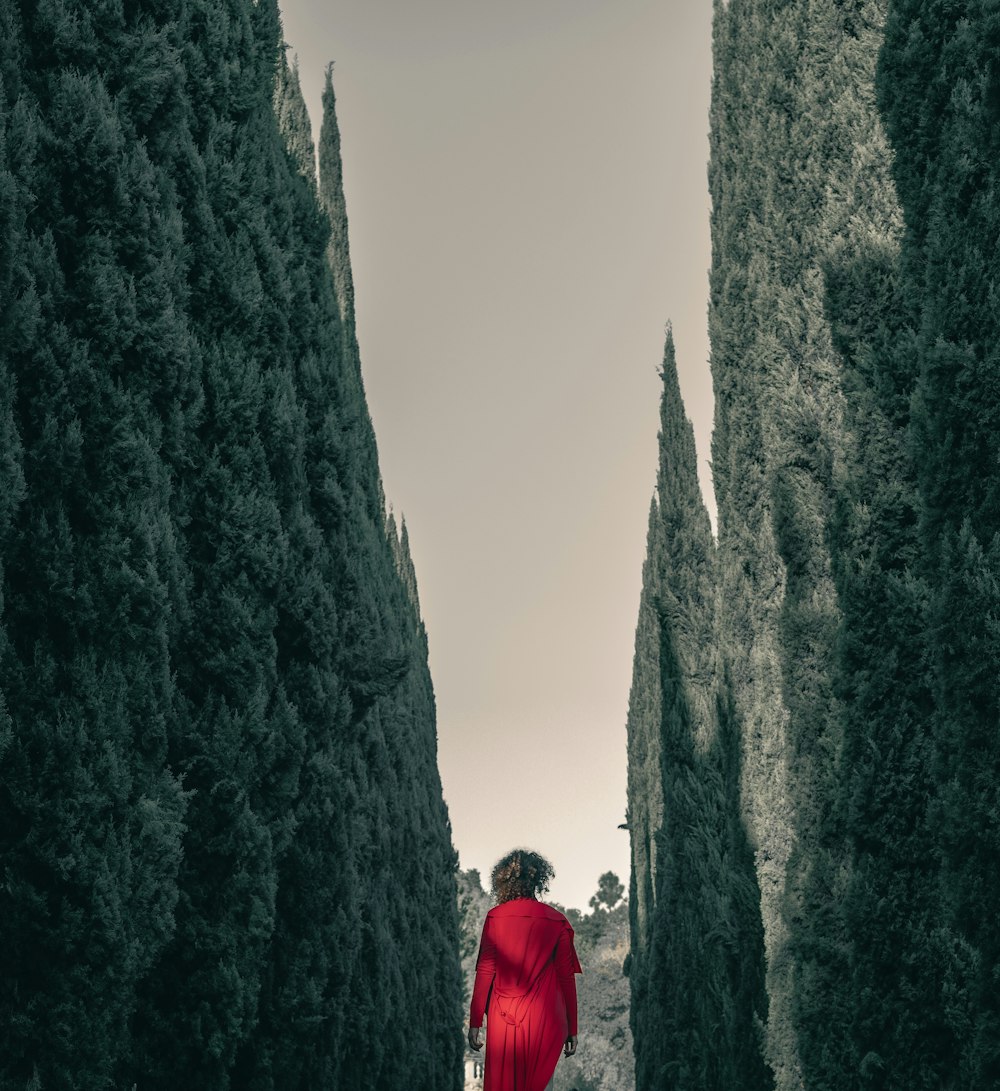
525,983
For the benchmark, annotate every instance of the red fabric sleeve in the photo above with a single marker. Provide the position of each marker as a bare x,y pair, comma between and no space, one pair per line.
567,964
485,969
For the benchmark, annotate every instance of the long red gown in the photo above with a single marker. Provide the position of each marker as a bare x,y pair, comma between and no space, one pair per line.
526,987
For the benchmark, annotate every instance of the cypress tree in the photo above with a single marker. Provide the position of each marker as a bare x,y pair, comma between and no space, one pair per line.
742,168
645,785
427,931
94,581
366,921
219,751
306,975
890,1031
407,961
242,741
696,963
875,949
853,358
938,94
802,207
332,196
293,118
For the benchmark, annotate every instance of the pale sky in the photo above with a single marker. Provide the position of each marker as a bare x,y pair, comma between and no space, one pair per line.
527,197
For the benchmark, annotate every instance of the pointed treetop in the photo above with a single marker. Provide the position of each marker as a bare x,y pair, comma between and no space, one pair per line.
399,542
676,431
406,570
677,481
293,117
671,396
331,193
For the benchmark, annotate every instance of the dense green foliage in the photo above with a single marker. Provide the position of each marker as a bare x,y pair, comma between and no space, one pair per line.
853,333
696,961
939,94
789,127
226,857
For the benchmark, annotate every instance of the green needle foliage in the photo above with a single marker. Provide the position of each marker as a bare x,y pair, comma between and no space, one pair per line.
938,90
227,862
854,353
785,128
696,962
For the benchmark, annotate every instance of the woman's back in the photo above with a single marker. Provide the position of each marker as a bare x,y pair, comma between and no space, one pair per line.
525,985
525,933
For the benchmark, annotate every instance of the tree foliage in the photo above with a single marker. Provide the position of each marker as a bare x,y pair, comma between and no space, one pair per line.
227,860
852,323
696,960
938,93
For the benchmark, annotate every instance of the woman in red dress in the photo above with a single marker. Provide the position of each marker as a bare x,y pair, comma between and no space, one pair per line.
524,979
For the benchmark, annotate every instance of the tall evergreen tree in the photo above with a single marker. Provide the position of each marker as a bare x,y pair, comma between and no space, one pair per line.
645,784
853,359
293,118
696,962
386,879
798,183
742,170
94,581
226,855
882,972
243,739
332,195
938,90
871,956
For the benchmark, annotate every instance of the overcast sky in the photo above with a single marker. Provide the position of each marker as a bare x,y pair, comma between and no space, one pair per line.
527,196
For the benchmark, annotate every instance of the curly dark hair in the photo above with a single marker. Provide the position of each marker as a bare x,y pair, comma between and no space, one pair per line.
520,874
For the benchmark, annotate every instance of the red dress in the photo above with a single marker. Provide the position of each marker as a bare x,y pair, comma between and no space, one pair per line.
525,985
